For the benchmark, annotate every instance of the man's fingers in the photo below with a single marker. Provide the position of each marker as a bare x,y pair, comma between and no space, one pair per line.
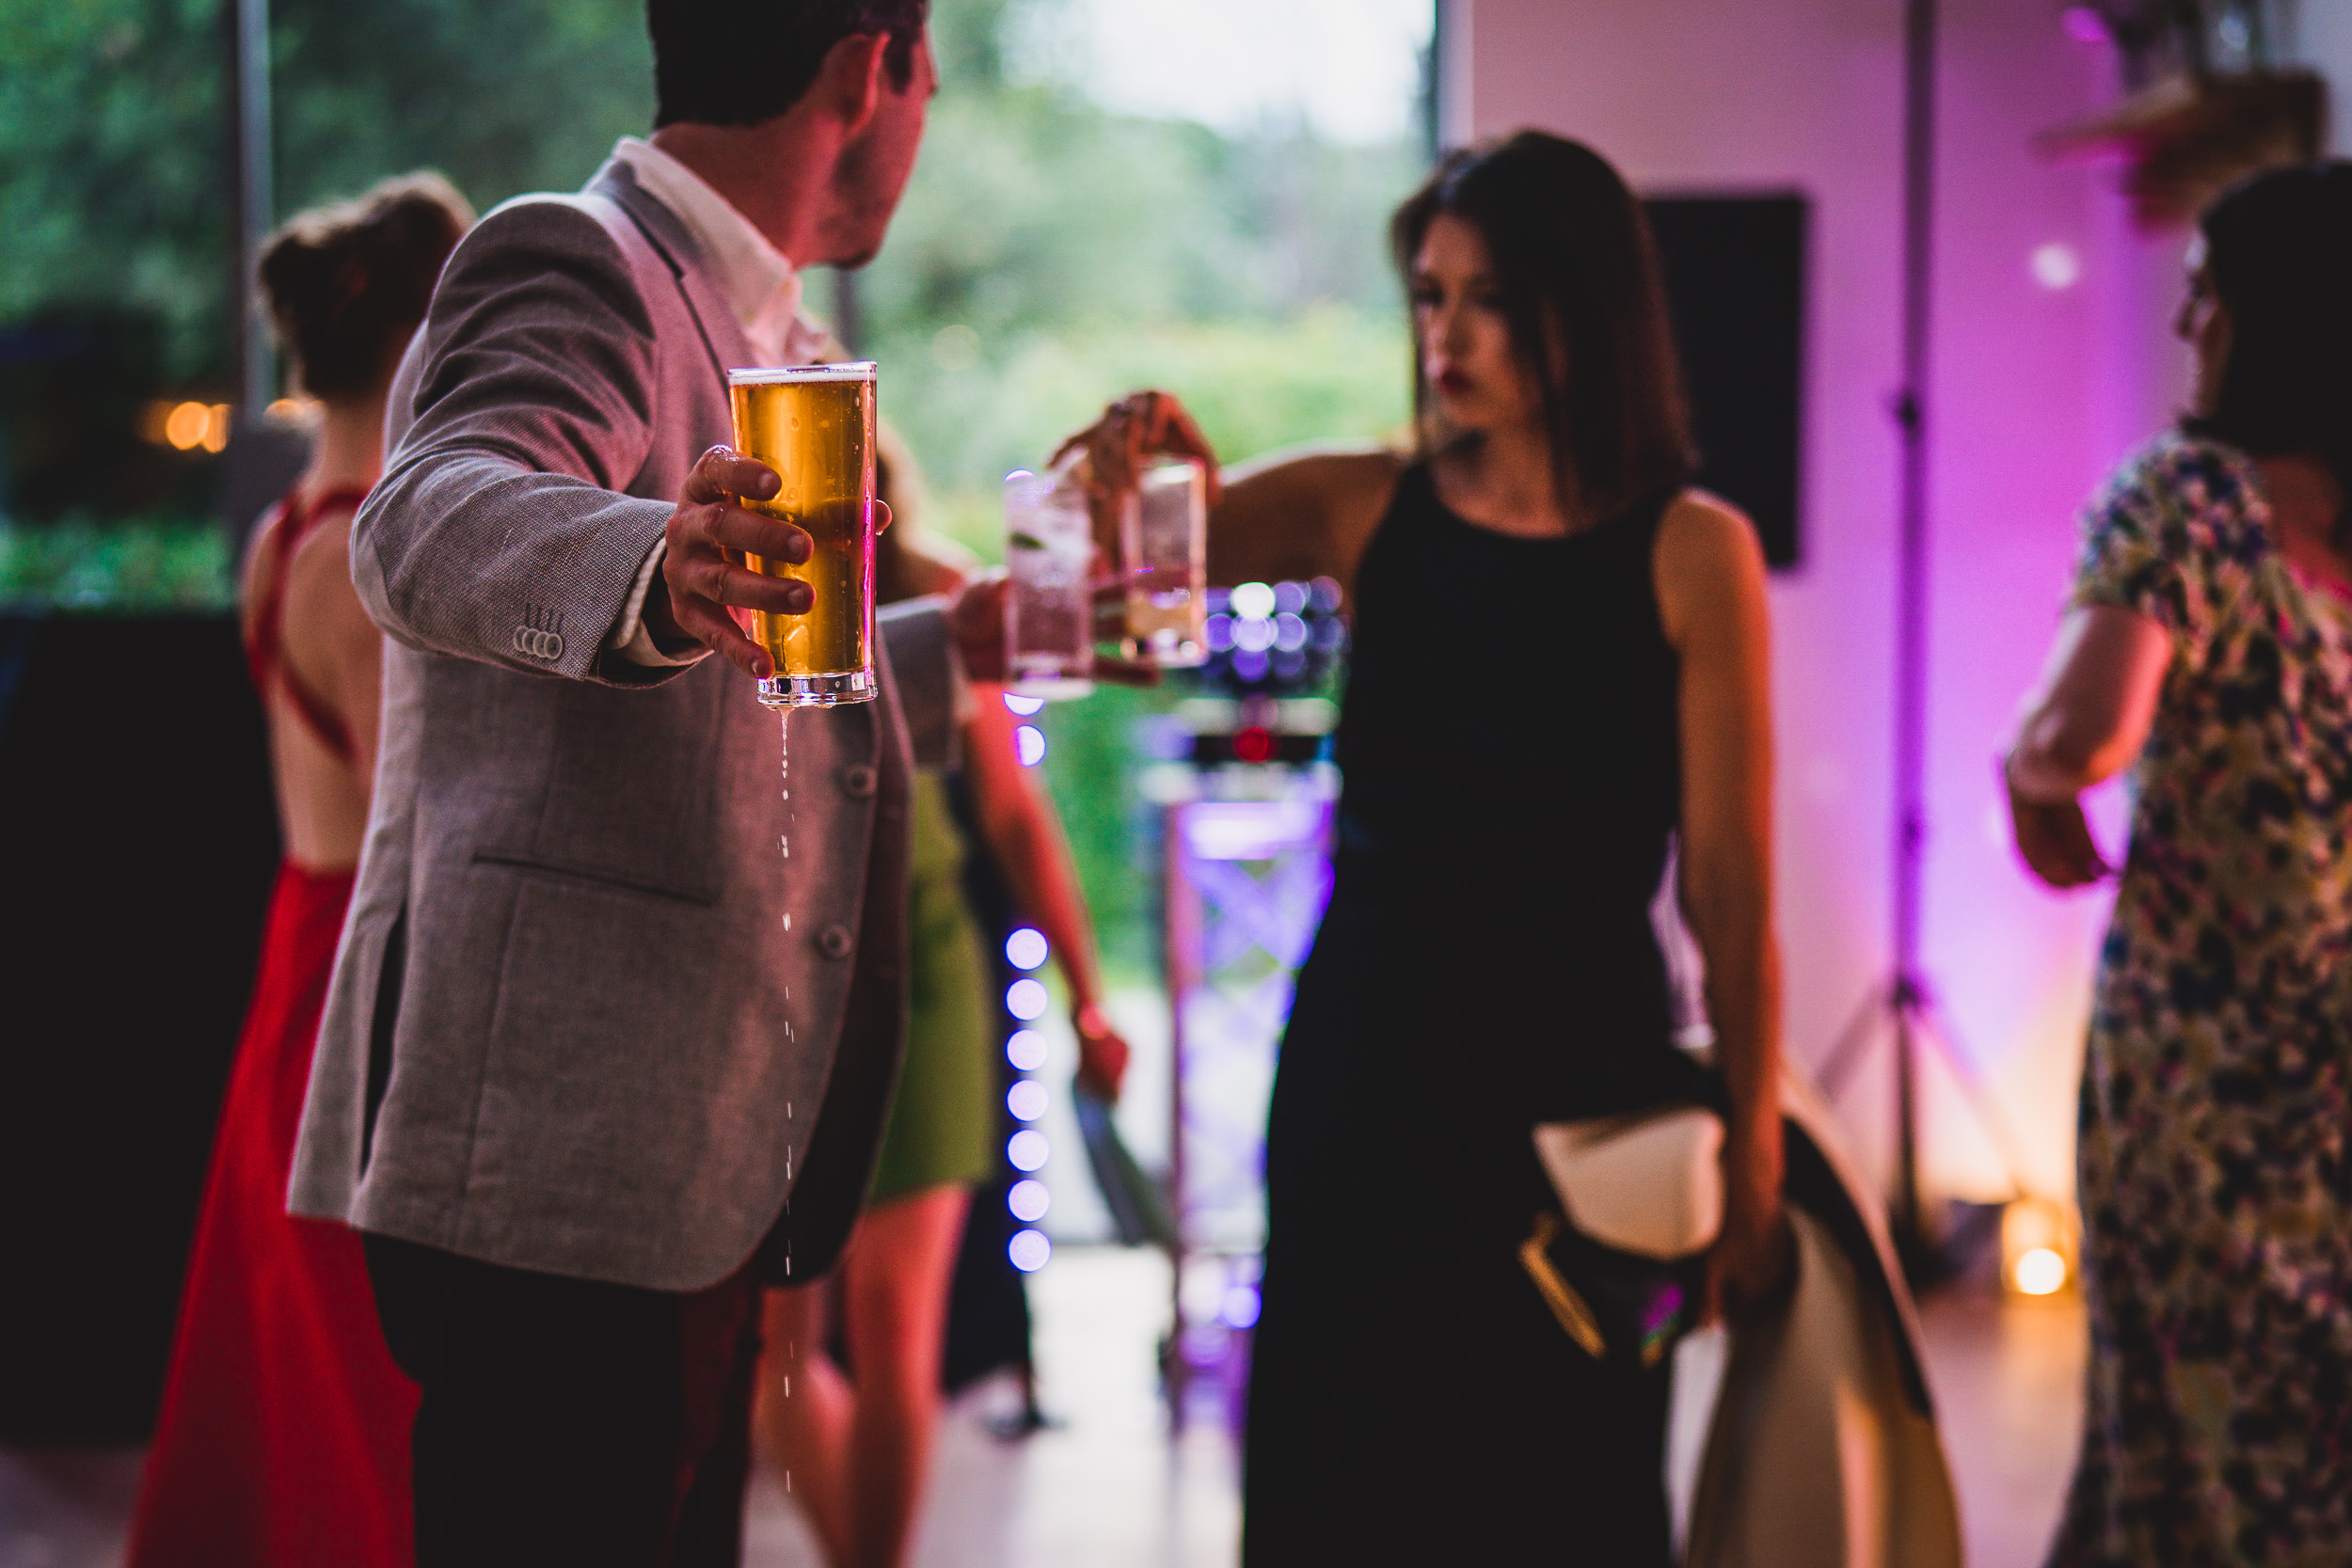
704,570
1172,433
722,473
702,618
739,586
731,527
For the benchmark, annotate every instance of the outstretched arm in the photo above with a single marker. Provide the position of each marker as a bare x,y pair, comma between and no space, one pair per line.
1300,513
500,530
1290,516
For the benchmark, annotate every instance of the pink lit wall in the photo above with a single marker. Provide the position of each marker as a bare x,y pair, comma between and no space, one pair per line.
2050,362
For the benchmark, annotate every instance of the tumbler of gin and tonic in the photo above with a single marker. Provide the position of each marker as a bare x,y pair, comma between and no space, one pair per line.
1049,612
814,424
1164,543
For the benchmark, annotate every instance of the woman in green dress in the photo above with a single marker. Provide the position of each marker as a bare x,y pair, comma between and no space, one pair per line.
856,1444
2209,649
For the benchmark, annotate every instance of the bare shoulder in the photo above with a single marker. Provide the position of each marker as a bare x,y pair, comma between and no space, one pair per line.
1345,469
254,575
1347,484
1709,566
323,610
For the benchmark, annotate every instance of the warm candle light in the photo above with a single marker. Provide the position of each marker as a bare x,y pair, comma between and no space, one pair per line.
2037,1247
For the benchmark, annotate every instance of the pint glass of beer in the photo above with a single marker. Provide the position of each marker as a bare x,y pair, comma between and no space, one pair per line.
814,424
1163,538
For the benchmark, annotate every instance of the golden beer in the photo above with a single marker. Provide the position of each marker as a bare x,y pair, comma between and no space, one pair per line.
814,425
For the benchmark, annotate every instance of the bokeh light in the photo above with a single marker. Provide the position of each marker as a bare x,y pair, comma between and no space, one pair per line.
1026,1099
1025,948
2057,267
1253,601
1029,1200
2041,1271
1028,1250
186,425
1025,1049
1027,1000
1026,1149
1023,705
1029,744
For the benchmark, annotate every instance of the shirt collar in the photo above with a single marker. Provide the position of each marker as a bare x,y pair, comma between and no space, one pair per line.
759,282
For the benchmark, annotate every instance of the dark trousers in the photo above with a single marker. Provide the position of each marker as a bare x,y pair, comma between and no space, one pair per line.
570,1420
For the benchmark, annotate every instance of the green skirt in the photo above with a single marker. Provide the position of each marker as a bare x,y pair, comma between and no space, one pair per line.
942,1122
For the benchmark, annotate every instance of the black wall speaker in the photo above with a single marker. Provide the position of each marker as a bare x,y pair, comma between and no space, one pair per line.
1734,286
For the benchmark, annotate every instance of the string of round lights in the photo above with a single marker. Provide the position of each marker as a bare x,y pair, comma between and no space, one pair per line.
1026,1048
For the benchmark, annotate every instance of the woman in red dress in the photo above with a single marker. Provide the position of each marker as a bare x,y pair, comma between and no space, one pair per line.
283,1435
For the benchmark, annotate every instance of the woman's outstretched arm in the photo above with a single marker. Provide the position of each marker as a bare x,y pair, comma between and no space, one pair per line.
1300,513
1710,589
2084,724
1290,516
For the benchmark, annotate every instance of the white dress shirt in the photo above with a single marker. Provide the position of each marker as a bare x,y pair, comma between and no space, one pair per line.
762,286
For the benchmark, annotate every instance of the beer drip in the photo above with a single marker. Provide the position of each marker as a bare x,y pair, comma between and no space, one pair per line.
784,731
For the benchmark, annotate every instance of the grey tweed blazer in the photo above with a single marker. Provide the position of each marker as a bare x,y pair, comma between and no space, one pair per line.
586,1016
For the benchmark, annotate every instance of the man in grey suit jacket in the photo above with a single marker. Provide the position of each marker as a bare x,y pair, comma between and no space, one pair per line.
598,1059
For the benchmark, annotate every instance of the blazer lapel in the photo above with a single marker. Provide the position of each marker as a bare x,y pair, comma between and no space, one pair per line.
722,335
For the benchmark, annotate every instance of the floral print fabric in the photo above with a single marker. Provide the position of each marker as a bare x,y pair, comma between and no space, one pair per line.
2217,1225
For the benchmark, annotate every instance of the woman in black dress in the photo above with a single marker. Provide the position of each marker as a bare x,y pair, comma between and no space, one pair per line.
1559,670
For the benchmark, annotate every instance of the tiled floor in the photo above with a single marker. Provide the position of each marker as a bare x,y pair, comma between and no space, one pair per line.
1108,1489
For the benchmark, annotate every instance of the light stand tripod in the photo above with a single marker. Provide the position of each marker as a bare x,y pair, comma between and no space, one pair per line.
1903,1003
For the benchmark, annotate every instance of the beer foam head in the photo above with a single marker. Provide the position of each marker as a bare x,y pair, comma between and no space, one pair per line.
767,376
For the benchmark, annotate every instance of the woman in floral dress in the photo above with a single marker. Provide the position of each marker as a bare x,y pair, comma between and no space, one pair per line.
2209,648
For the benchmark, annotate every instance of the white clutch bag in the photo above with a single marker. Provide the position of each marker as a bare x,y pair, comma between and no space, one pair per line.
1650,1184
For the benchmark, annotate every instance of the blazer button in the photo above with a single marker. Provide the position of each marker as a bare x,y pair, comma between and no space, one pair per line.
857,781
834,941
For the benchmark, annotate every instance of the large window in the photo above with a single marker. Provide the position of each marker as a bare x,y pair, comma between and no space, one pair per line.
1113,194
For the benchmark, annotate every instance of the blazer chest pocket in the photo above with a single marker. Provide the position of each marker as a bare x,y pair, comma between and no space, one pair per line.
594,878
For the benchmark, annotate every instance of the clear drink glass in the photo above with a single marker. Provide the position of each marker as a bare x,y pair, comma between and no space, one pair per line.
814,424
1164,543
1049,612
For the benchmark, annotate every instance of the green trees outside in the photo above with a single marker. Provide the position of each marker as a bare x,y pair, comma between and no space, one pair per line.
1050,255
113,175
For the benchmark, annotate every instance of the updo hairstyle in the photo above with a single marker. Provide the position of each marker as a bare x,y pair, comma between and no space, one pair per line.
347,284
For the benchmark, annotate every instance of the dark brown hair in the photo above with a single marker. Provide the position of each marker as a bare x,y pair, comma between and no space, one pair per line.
739,62
1572,257
2278,249
347,284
